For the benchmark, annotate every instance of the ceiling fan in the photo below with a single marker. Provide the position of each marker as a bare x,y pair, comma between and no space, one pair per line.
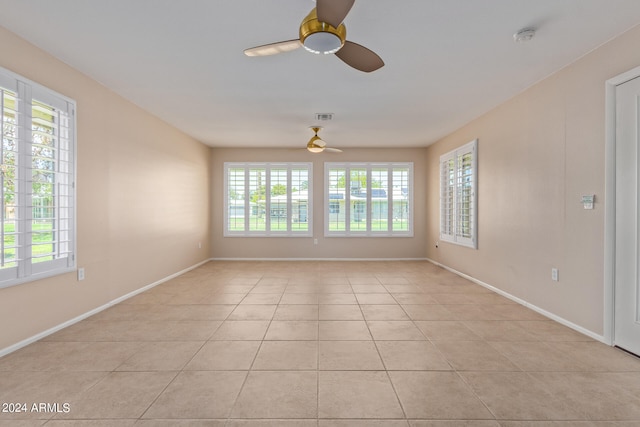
317,145
322,31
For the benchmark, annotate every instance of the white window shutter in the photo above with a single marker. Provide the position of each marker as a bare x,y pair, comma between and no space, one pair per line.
458,197
37,159
268,199
368,199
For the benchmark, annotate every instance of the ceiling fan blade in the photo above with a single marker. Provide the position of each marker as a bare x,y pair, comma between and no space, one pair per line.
359,57
333,150
273,48
333,11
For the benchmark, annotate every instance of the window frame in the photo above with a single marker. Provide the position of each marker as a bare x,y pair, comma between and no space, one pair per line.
268,166
450,224
27,93
329,207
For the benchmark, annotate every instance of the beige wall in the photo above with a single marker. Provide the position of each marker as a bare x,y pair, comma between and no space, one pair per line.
330,247
538,154
142,200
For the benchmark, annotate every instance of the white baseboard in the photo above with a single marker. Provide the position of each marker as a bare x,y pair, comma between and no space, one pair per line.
319,259
535,308
83,316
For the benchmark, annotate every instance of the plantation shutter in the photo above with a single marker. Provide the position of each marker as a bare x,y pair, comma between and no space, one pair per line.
447,171
268,199
465,196
458,202
368,199
37,225
9,157
50,211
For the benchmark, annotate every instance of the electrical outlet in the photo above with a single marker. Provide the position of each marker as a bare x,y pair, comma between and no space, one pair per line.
315,241
81,273
554,274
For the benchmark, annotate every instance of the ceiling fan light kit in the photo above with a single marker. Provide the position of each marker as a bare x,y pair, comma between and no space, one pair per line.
320,37
322,32
317,145
314,149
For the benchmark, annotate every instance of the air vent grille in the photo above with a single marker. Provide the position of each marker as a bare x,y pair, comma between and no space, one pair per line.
323,117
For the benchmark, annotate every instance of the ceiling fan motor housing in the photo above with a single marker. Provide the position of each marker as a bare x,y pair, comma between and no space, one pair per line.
320,37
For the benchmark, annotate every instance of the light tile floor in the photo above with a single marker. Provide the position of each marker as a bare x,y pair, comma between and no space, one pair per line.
381,344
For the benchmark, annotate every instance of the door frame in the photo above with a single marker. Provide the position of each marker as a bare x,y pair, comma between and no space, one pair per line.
610,201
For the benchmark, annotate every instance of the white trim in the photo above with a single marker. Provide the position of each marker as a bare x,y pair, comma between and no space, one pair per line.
43,334
10,74
524,303
610,201
27,93
455,237
268,166
368,167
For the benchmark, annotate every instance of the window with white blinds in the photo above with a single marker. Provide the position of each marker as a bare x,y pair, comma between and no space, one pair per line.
368,199
267,199
458,201
37,174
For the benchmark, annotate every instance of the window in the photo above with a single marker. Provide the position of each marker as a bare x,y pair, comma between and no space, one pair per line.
458,201
267,199
368,199
37,173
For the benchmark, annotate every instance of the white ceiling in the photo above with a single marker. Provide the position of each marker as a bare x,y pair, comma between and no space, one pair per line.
447,61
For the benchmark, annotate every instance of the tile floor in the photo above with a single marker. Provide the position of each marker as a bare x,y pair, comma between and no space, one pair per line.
320,344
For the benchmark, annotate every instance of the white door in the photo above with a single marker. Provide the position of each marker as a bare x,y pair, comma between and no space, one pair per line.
627,280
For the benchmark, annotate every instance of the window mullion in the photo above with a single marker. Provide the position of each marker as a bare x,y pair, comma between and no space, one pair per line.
63,228
347,199
289,196
267,199
55,233
2,182
390,201
369,208
23,195
443,216
247,198
454,196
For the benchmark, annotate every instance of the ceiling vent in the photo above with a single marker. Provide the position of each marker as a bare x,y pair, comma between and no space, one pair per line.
323,117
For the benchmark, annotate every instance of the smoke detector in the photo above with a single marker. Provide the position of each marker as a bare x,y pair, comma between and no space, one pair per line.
524,35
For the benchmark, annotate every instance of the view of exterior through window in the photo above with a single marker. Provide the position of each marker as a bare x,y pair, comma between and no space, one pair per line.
9,175
368,199
458,201
37,174
268,199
